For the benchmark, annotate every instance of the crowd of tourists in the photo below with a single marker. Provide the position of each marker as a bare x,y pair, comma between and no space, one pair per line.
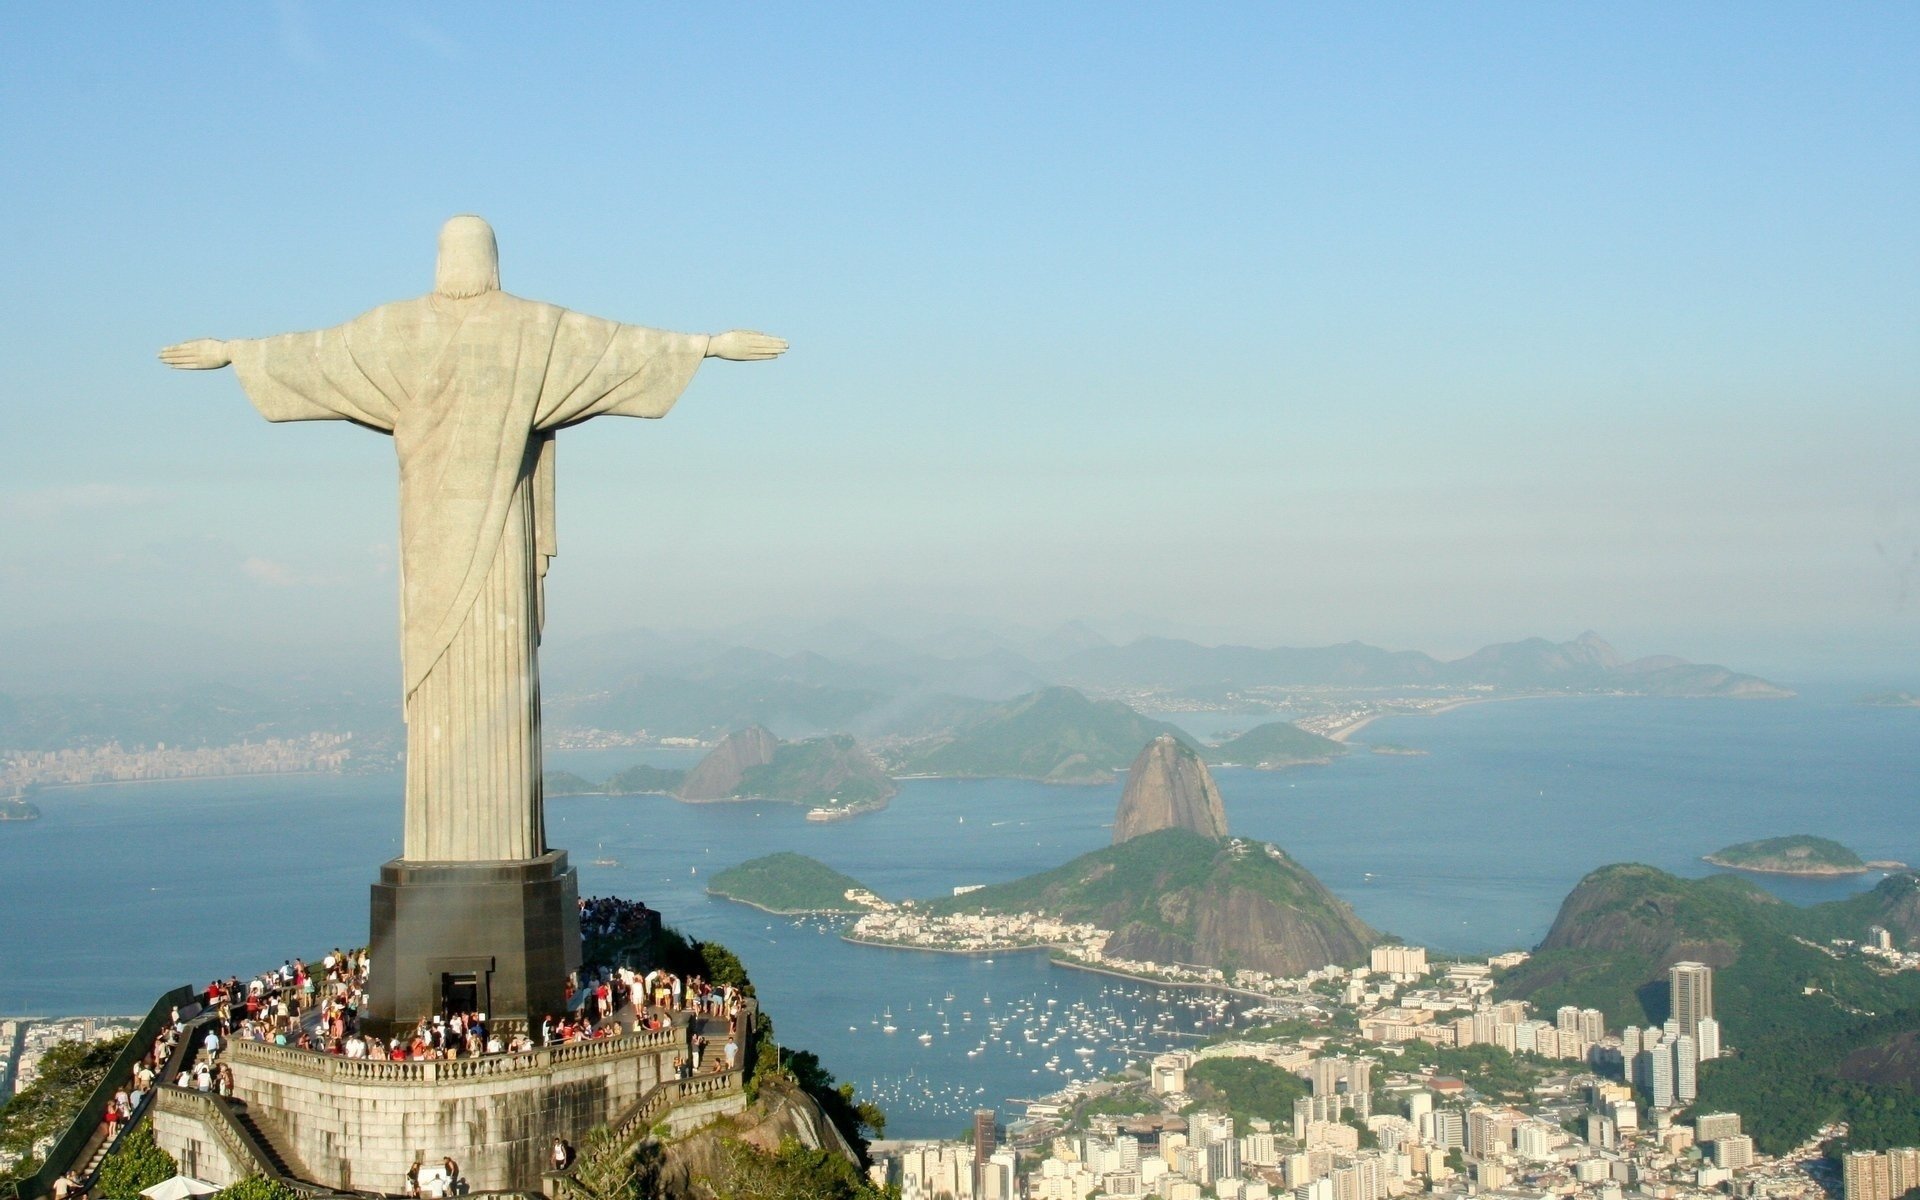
612,917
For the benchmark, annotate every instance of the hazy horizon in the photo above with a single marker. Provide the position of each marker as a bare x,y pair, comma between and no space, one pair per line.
1283,327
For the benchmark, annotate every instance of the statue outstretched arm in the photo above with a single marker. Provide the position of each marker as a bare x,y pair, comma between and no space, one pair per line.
201,354
745,345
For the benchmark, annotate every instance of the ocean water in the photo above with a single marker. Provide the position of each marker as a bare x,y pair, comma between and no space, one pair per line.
120,892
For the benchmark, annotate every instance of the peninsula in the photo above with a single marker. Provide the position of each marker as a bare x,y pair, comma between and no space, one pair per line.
1797,854
790,884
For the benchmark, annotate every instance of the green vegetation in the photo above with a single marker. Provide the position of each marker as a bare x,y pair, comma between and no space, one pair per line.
1493,1072
634,781
256,1188
1056,735
793,1172
1798,854
776,1066
566,783
1189,898
1275,744
820,770
1245,1087
135,1164
786,883
644,779
1131,1103
1813,1031
16,809
68,1073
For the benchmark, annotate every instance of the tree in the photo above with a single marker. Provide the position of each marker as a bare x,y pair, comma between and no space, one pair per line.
68,1073
257,1187
136,1164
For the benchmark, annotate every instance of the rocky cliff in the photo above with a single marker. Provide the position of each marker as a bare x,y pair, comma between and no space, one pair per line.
1168,787
720,773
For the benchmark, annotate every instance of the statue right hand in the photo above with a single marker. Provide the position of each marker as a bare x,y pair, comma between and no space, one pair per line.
201,354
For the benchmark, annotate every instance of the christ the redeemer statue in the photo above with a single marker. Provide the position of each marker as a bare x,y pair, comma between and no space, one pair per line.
473,384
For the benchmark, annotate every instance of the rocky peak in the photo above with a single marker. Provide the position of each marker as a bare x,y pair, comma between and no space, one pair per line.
721,771
1168,787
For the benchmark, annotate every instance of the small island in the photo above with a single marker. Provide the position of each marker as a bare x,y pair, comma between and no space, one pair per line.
1891,700
17,809
1395,750
790,885
1798,854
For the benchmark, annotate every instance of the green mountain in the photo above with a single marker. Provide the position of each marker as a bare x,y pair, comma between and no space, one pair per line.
819,771
644,780
1175,896
639,780
1791,1007
1798,854
1275,744
1055,735
787,883
566,783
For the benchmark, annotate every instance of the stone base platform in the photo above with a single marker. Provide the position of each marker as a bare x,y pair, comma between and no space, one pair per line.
498,938
357,1124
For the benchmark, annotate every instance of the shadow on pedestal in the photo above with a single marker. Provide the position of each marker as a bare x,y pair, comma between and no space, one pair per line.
493,937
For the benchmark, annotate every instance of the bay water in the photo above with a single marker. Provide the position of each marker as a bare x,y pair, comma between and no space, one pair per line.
119,892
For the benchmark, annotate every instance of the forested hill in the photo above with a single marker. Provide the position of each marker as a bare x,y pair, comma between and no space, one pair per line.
1175,896
1791,1005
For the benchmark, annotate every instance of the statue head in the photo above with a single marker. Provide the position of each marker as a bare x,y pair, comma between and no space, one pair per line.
469,259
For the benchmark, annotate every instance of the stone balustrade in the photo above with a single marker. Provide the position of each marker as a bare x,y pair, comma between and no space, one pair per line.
411,1072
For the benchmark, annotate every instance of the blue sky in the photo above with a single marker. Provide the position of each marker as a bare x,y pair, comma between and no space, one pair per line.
1423,325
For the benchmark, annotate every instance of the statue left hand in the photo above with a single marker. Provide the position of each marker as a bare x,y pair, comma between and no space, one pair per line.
201,354
744,345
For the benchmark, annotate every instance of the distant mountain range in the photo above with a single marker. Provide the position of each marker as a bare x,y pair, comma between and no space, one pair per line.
1056,735
752,764
846,680
881,689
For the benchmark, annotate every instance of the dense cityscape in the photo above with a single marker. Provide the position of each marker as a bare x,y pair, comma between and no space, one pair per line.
1606,1111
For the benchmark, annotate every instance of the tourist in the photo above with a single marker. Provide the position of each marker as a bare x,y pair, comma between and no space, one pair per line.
733,1052
452,1169
562,1154
411,1186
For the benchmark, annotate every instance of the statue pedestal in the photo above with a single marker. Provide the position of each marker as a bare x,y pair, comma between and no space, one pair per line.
492,937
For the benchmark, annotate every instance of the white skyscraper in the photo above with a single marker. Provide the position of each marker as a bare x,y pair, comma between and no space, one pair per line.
1708,1039
1686,1062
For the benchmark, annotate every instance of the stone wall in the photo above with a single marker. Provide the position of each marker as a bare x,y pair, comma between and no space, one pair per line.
358,1124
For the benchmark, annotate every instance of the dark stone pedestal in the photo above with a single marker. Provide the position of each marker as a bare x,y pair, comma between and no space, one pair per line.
492,937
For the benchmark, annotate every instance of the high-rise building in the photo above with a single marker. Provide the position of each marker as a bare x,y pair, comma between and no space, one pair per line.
1711,1127
1400,962
985,1137
1339,1075
1707,1040
1691,988
1593,1024
1659,1062
1449,1129
1903,1171
1686,1063
1733,1152
1567,1019
1868,1175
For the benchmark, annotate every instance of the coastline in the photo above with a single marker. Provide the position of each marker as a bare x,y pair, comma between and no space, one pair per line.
790,912
1823,872
40,788
1056,958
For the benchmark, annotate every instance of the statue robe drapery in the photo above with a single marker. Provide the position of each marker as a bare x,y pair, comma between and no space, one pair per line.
472,391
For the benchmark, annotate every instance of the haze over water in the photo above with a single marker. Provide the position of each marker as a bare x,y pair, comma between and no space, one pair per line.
120,892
